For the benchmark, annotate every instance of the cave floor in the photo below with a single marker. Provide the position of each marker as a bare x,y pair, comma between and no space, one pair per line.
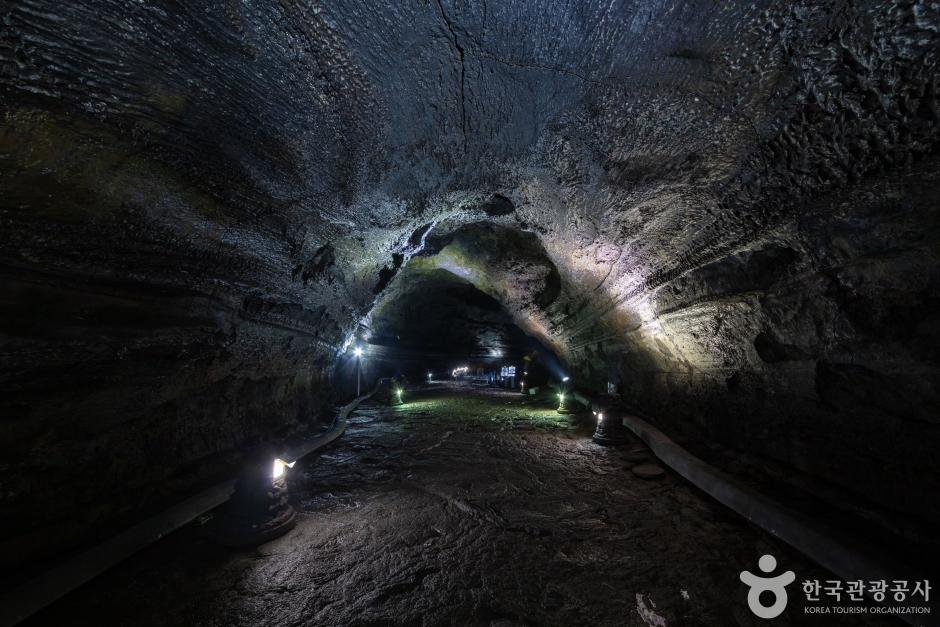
462,507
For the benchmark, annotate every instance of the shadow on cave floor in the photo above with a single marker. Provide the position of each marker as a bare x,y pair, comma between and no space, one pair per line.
462,507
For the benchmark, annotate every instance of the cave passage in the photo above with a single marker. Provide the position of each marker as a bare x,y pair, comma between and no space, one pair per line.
440,323
465,506
224,224
430,321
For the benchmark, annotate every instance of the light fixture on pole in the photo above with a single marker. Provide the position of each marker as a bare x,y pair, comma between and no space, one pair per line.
358,353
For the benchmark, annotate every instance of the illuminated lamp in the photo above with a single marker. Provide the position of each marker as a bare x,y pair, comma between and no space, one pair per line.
358,353
258,510
566,402
396,388
279,466
610,430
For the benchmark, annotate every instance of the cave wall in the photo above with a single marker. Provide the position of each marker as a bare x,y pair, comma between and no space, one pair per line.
725,208
781,299
168,297
144,345
814,348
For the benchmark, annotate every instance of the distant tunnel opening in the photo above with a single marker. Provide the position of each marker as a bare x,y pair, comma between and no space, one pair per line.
432,322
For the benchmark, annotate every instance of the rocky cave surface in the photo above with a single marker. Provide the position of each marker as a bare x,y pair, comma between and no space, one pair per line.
727,210
462,507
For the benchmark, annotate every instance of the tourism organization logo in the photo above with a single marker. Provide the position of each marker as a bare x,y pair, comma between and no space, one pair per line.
879,591
777,585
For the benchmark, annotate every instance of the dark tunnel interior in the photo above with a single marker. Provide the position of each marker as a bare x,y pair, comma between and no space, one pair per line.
469,312
435,321
440,313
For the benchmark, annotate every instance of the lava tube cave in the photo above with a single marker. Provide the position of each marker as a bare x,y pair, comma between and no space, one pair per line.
469,313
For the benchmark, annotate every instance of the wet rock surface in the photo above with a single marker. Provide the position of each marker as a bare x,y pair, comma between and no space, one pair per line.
443,512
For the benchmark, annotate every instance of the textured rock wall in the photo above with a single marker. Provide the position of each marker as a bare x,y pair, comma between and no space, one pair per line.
726,208
140,349
814,348
169,297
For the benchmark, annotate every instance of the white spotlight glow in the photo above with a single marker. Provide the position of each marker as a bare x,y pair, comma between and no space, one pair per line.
358,352
279,466
565,379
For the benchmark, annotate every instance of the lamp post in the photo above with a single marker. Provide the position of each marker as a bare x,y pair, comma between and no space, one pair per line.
610,429
358,352
258,510
565,407
396,387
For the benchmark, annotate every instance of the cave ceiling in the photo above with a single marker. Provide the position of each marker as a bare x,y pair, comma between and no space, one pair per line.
636,141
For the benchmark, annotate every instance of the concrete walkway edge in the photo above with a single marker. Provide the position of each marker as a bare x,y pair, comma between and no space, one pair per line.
816,541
